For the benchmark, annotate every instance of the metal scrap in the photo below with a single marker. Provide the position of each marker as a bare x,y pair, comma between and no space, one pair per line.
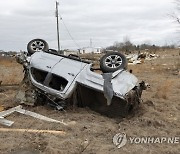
6,122
108,89
19,109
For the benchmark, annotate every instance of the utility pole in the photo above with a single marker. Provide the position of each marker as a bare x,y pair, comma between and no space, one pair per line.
91,43
58,34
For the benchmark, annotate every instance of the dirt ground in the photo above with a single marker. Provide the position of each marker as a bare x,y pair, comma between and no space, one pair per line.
90,132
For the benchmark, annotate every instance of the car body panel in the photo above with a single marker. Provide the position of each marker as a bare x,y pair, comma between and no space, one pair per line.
43,61
68,69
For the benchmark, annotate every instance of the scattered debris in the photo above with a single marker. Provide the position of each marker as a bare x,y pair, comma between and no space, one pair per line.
5,122
19,109
84,145
151,56
134,59
4,94
27,97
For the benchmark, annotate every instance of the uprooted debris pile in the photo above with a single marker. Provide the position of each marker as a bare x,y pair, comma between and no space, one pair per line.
134,59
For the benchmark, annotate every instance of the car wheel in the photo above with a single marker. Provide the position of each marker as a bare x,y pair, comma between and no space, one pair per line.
112,62
37,45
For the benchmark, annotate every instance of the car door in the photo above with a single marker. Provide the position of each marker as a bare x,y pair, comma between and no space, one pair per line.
68,69
44,61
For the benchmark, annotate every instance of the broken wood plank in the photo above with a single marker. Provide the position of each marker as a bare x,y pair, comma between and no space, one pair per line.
32,131
1,108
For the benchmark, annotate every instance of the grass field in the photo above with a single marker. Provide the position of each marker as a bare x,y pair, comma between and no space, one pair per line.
90,132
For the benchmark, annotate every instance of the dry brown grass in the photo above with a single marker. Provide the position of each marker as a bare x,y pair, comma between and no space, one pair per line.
177,64
158,116
8,61
164,89
10,71
91,56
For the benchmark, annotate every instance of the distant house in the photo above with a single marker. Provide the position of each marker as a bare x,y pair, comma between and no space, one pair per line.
96,50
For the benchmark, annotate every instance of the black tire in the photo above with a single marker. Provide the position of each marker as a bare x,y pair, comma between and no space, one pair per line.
112,62
37,45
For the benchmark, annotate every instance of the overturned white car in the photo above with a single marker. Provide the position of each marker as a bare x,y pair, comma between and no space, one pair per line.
67,80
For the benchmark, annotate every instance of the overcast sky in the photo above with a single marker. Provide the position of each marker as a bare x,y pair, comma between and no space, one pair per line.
104,21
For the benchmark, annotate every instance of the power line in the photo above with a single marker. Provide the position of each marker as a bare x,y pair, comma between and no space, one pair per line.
69,33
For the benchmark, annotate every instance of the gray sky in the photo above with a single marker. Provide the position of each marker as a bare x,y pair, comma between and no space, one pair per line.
105,21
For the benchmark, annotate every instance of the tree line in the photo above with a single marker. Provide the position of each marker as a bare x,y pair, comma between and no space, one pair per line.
127,46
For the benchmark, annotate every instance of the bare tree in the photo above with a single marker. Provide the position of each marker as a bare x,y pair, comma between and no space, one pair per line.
176,14
127,44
